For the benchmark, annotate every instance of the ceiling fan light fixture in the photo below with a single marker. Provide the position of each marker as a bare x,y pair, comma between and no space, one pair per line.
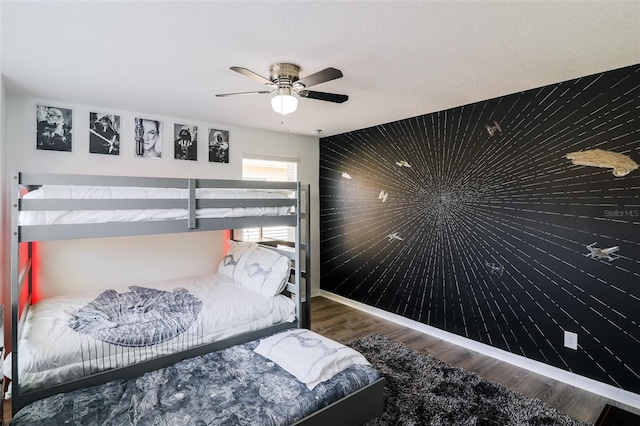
284,102
284,78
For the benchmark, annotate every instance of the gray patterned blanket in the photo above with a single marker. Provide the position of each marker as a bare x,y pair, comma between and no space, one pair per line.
233,386
141,317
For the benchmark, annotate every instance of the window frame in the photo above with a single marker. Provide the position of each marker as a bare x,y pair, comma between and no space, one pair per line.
258,233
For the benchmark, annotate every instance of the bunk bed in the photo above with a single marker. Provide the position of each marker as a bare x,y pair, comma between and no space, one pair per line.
48,207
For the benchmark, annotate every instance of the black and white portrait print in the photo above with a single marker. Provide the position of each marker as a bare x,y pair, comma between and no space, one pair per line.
54,128
104,133
218,146
148,137
185,140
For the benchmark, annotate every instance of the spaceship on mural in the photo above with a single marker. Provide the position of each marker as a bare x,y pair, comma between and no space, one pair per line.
496,222
602,253
621,164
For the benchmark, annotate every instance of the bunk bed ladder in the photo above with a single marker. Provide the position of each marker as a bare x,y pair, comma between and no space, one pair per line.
305,316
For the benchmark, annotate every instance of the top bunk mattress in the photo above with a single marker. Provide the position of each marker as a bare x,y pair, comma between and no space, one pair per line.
64,192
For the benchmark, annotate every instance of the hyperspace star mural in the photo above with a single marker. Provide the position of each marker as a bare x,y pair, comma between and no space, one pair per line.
495,221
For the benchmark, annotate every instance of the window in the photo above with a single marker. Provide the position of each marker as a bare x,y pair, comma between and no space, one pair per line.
270,171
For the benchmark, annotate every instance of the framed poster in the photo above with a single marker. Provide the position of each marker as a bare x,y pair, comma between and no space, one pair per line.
218,146
185,142
148,138
54,128
104,133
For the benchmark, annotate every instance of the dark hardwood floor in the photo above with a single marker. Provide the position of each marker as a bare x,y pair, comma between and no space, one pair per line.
345,324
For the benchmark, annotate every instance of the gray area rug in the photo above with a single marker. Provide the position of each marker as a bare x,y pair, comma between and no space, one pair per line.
422,390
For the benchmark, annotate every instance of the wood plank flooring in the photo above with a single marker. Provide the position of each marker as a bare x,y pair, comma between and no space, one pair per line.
345,324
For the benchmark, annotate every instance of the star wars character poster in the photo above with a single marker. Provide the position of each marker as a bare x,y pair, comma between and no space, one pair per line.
54,128
218,146
104,133
185,139
148,138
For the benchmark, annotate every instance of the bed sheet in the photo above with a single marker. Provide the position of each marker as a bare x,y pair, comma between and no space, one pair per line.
136,215
63,339
233,386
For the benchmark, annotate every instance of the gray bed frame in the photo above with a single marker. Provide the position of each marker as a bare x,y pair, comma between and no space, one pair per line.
354,409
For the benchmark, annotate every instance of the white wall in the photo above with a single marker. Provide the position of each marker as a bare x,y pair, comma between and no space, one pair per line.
5,298
72,266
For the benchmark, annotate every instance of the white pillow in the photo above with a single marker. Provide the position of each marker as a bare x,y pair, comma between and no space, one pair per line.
310,357
265,271
232,264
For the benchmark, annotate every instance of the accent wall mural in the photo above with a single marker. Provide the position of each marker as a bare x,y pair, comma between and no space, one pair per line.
507,221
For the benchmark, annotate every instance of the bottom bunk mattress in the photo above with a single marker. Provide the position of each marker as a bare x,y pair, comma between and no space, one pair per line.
69,337
278,380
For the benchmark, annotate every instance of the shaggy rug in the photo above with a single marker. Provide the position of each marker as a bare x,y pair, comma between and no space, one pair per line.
422,390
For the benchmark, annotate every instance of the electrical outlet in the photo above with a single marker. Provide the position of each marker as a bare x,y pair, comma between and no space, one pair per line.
570,340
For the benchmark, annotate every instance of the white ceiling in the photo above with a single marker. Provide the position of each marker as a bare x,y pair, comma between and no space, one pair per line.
399,59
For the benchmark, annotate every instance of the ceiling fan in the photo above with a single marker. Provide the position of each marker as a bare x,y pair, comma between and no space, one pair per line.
284,79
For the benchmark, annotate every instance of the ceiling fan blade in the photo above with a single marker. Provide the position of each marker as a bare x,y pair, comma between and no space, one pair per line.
252,75
323,76
323,96
261,92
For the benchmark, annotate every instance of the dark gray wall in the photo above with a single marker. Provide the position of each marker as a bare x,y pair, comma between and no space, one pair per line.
494,224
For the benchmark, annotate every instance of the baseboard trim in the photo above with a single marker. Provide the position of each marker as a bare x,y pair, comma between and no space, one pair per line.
625,397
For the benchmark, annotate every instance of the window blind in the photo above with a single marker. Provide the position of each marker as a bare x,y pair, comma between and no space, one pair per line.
270,171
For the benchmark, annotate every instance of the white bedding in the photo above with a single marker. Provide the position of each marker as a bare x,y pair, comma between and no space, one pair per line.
49,351
106,192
